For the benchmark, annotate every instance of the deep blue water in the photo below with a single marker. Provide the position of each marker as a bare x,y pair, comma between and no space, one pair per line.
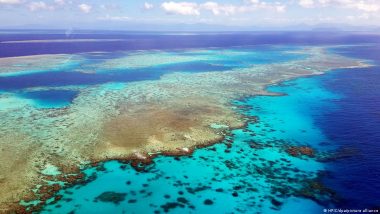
147,41
51,98
355,125
67,78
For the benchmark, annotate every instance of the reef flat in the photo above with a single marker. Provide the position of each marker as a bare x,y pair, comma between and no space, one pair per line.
35,63
173,114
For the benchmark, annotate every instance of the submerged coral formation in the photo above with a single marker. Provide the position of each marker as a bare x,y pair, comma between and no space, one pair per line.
36,63
174,114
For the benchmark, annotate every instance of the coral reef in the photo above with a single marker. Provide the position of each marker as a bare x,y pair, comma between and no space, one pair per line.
172,115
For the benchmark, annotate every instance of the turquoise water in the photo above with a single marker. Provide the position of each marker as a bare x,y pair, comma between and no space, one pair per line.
250,172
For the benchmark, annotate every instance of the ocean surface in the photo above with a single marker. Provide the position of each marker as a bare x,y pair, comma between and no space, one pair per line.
337,114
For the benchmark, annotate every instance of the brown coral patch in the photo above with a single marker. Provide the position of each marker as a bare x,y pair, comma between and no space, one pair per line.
297,151
171,128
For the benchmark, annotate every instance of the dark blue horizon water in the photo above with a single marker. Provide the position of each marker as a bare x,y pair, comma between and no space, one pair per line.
163,41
